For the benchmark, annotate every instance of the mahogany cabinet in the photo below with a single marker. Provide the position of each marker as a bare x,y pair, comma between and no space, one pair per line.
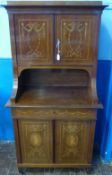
54,100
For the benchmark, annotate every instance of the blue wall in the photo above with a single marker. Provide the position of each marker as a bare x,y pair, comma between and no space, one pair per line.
104,129
104,116
5,48
6,129
104,86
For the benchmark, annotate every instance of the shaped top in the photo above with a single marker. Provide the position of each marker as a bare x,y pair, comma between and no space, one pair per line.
54,3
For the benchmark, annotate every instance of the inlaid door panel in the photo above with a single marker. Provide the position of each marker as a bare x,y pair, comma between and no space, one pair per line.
77,39
34,39
74,142
36,141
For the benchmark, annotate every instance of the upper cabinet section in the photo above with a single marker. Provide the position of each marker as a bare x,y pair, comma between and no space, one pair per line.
34,39
76,35
54,33
59,39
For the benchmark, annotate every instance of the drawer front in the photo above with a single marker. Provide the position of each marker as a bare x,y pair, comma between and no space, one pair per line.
36,141
54,114
74,142
78,38
34,39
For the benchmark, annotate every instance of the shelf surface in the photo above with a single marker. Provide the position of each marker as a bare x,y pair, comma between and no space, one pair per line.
57,97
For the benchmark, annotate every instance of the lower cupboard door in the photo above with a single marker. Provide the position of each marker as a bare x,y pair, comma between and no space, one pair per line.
74,141
36,141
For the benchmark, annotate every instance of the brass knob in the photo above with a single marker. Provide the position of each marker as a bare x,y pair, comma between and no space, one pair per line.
58,57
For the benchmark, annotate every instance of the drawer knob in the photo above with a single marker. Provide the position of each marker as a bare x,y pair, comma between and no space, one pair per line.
58,57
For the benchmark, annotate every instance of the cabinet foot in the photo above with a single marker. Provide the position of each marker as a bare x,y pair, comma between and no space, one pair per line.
90,170
22,171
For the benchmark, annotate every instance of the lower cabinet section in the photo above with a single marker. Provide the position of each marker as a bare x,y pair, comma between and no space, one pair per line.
57,142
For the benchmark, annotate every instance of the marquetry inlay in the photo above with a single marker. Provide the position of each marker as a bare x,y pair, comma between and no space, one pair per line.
36,140
75,34
33,32
76,43
72,140
54,113
33,40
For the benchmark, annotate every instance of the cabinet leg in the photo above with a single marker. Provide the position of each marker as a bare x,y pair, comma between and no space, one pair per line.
90,170
22,171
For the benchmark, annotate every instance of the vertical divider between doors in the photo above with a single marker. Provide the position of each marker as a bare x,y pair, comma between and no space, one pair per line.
54,57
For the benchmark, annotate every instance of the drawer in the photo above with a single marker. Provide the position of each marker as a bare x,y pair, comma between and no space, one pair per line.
74,141
35,141
53,114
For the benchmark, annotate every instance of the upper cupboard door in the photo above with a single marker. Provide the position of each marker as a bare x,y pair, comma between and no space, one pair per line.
76,40
34,39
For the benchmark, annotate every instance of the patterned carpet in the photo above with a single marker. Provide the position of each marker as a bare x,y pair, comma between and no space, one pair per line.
8,165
